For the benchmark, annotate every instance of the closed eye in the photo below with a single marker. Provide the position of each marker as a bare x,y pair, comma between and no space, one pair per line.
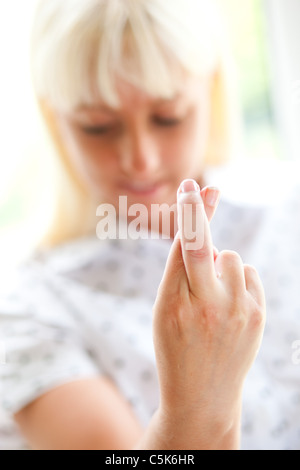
166,122
97,130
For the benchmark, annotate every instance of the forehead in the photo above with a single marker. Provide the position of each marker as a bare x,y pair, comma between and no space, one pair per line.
131,97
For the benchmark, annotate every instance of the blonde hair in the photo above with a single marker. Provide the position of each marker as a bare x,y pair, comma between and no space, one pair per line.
79,48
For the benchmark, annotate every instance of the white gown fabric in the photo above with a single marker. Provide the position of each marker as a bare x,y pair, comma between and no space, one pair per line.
85,309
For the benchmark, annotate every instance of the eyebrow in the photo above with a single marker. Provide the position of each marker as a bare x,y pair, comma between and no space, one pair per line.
101,108
106,109
175,97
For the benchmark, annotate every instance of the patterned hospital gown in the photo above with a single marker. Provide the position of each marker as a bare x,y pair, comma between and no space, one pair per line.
84,309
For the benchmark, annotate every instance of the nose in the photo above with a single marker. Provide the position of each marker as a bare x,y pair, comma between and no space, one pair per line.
139,154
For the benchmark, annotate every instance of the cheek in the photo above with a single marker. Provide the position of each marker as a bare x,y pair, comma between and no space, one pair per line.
92,161
186,149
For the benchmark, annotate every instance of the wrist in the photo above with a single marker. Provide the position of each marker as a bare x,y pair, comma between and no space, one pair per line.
199,429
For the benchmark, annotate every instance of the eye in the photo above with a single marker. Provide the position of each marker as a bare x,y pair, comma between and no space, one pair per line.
97,130
166,122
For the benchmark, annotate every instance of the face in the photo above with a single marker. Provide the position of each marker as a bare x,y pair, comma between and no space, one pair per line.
143,149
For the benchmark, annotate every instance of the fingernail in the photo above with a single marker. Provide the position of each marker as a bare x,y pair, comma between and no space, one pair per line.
189,186
212,197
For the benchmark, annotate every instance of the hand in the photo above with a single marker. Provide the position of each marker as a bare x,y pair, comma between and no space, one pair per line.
209,318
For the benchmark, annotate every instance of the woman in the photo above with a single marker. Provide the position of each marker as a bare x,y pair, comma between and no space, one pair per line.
135,94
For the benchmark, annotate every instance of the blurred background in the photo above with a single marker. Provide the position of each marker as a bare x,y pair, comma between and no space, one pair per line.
265,37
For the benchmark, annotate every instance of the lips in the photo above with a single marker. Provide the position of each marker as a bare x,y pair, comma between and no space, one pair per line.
141,188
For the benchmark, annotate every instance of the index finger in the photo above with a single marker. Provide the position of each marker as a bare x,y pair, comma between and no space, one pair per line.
196,240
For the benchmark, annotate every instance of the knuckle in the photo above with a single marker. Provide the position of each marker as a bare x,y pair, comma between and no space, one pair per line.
237,308
200,316
250,270
230,258
210,315
240,322
247,313
201,254
179,319
257,317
